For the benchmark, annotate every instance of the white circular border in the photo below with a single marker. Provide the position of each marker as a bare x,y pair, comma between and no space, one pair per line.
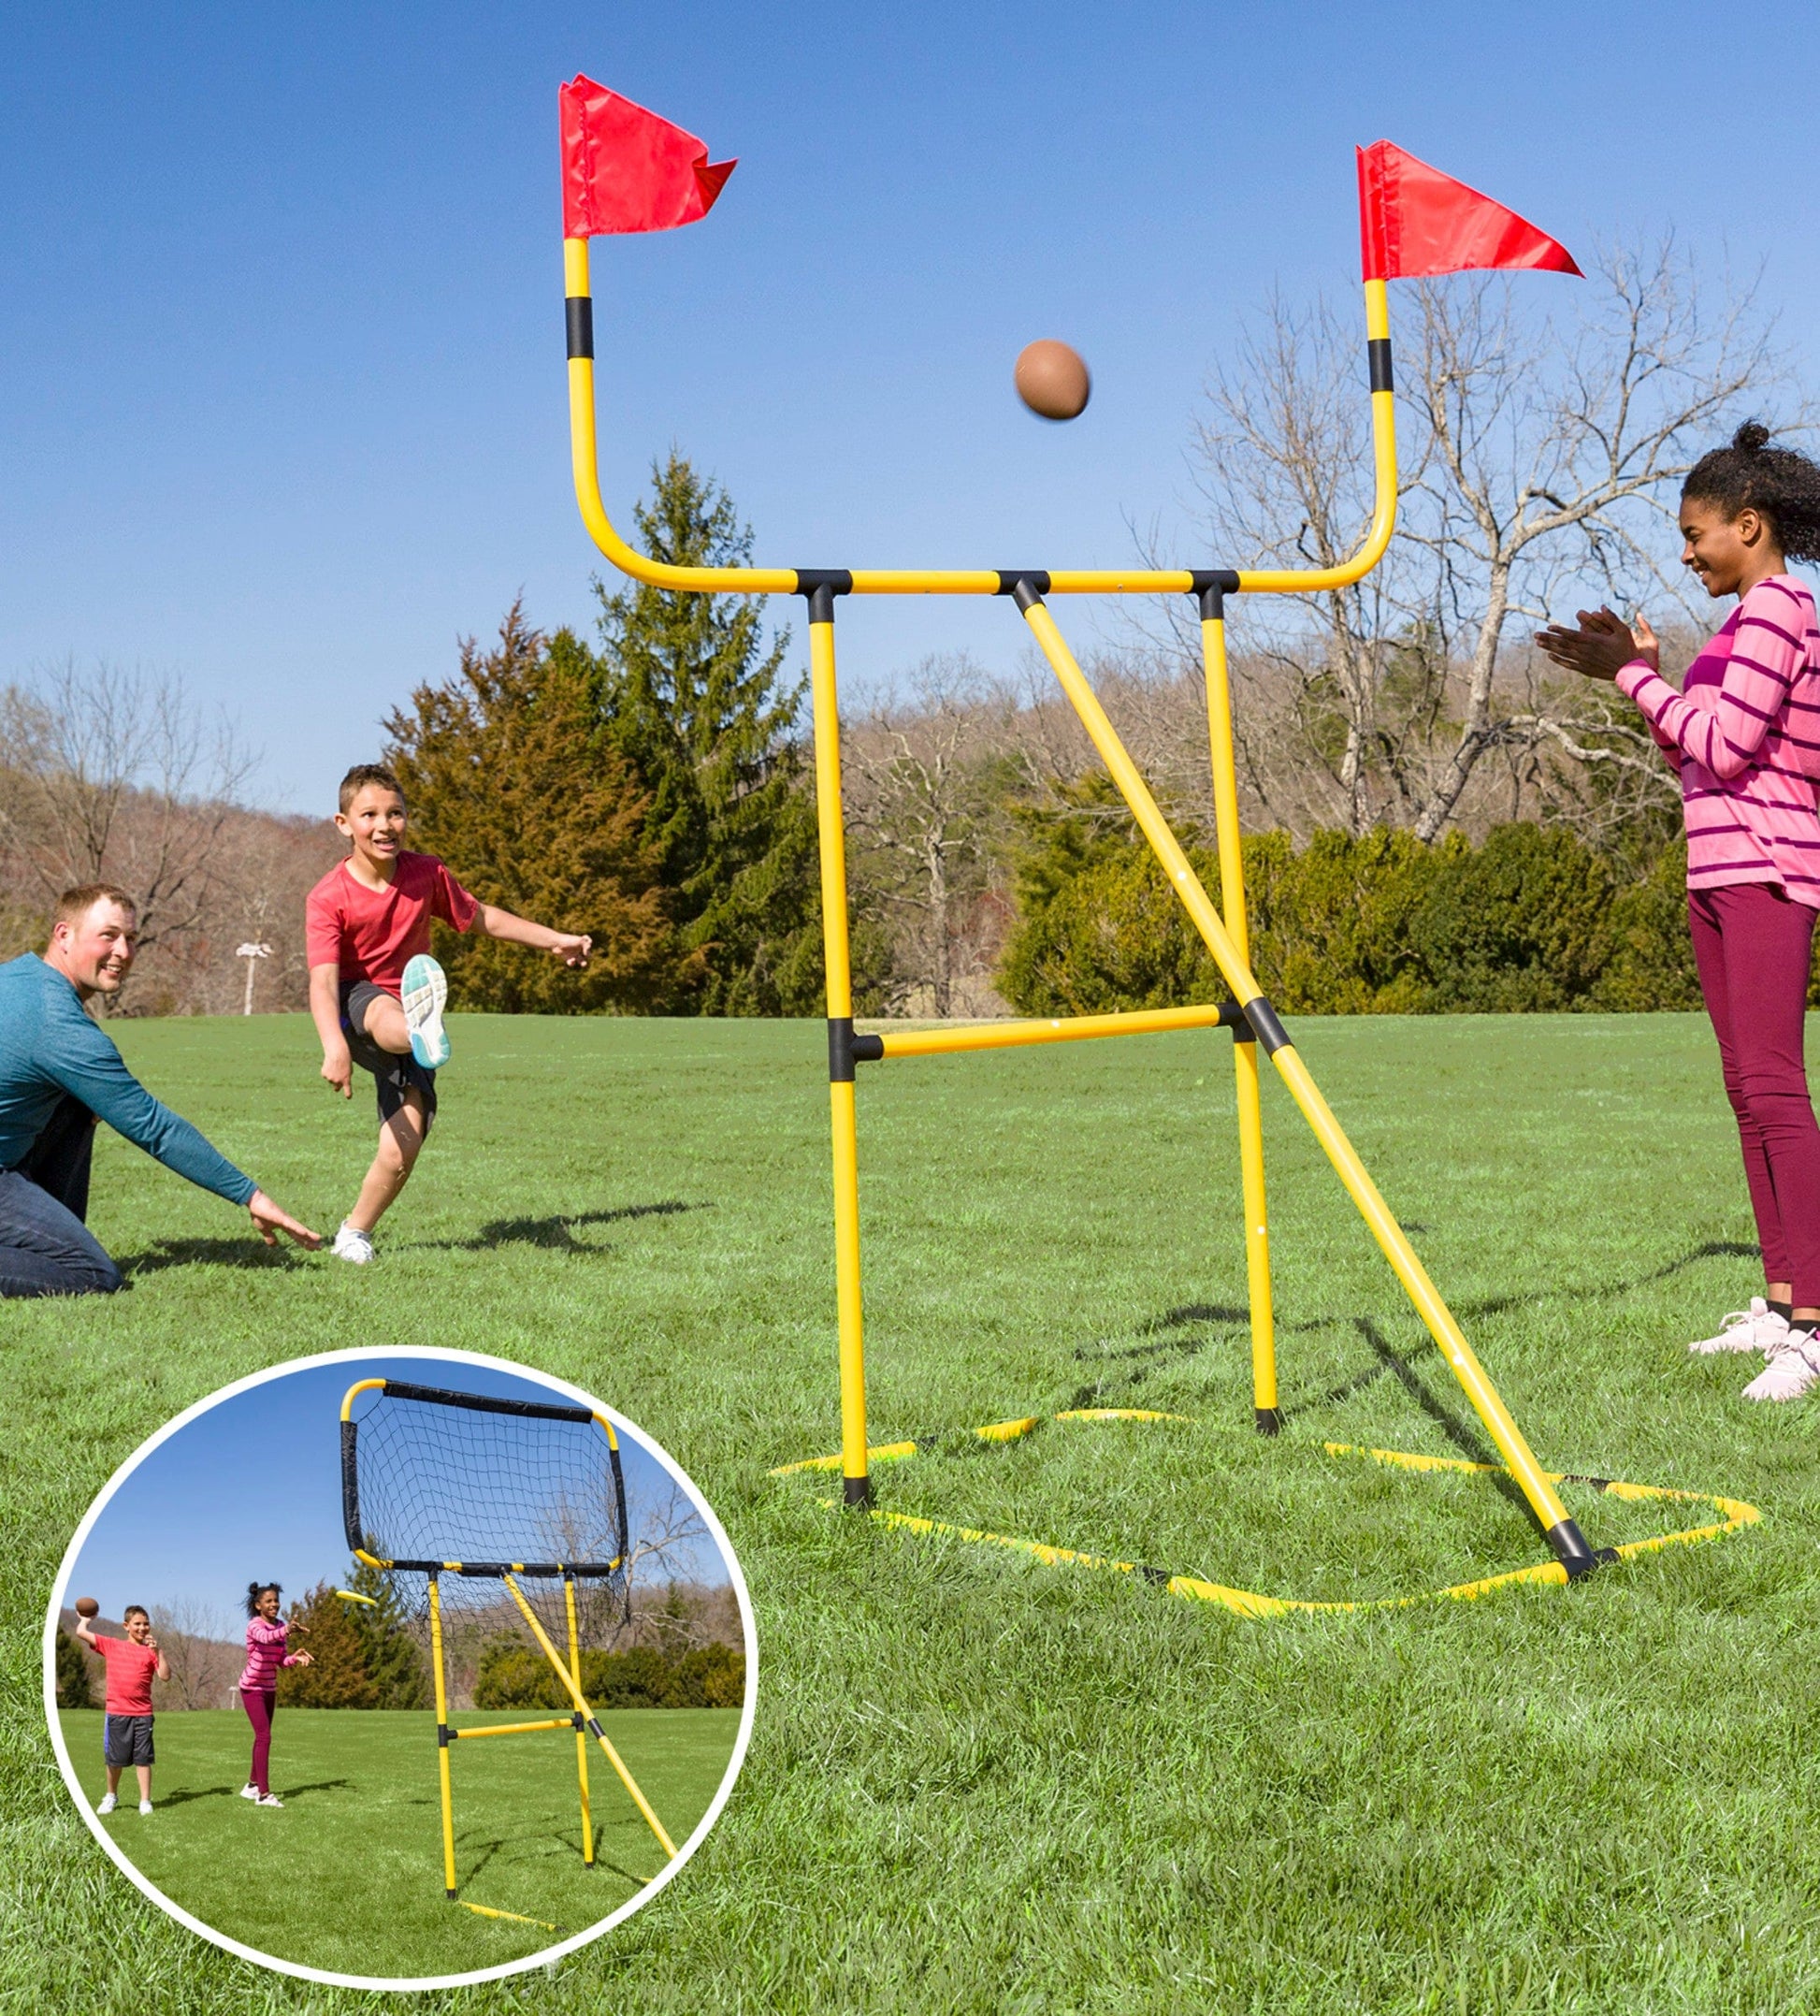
545,1956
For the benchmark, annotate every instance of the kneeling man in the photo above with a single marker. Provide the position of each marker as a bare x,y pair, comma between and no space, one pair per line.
59,1073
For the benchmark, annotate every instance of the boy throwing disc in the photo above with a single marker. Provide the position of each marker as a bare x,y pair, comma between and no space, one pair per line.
375,993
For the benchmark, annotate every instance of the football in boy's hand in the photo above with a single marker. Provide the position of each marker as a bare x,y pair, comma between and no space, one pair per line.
1051,380
87,1606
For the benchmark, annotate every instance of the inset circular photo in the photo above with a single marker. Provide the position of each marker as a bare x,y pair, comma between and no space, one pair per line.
402,1668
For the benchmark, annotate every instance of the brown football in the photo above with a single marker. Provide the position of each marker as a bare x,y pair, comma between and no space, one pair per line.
1051,380
87,1606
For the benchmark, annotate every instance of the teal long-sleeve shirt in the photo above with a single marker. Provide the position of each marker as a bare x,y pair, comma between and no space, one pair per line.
48,1047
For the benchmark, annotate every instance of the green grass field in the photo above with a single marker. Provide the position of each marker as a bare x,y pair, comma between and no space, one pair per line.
349,1877
977,1783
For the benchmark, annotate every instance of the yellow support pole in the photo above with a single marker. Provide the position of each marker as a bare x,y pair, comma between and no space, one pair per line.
1265,1411
1563,1535
443,1737
581,1738
856,1483
508,1729
589,1717
1059,1029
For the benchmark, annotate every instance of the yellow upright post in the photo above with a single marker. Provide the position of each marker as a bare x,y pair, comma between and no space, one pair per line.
442,1736
581,1738
856,1483
1244,1047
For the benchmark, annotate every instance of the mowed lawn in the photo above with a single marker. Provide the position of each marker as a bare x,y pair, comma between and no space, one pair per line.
978,1783
349,1876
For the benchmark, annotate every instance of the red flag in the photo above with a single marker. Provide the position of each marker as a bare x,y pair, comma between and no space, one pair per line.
625,169
1415,221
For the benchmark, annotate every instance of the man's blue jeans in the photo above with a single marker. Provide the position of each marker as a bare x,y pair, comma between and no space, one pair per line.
45,1248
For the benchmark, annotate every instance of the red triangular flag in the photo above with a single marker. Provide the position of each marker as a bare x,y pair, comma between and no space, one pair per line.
1415,221
625,169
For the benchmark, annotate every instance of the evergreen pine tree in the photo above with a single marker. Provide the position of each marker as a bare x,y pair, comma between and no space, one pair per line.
389,1650
508,778
707,717
73,1684
336,1676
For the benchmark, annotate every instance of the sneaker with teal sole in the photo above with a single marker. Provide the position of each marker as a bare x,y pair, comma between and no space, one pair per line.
423,992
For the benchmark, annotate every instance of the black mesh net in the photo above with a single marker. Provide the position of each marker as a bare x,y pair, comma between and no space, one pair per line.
462,1487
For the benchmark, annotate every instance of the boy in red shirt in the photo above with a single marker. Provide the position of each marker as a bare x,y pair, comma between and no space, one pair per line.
376,994
133,1662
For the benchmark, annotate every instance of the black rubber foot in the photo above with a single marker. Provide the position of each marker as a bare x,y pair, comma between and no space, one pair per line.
1575,1556
1270,1420
450,1894
857,1491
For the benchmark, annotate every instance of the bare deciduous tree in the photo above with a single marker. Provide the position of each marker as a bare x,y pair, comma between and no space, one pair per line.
1539,470
199,1645
925,771
109,775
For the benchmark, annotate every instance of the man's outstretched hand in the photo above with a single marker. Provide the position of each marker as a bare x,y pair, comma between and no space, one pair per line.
572,951
268,1221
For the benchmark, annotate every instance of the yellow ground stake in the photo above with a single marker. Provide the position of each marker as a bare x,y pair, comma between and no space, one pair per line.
1734,1513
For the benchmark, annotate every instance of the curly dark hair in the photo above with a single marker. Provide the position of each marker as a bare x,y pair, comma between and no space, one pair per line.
256,1590
1779,483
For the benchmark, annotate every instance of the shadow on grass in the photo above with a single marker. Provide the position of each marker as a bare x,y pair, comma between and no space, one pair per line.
486,1850
249,1251
557,1233
233,1791
1185,1331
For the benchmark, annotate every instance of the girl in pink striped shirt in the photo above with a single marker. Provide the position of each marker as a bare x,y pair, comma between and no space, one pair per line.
1743,733
267,1636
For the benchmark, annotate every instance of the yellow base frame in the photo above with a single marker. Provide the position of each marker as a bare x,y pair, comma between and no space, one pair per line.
1734,1515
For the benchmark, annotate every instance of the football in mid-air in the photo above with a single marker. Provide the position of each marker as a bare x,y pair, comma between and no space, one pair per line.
87,1606
1051,380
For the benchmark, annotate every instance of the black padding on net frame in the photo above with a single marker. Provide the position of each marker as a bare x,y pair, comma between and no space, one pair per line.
401,1389
431,1476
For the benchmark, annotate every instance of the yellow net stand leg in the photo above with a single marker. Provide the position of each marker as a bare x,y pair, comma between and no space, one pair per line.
581,1735
1245,1050
587,1716
856,1484
1564,1535
442,1736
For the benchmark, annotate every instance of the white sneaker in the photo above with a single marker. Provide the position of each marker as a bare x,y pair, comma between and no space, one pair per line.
107,1805
145,1806
351,1243
1756,1329
422,993
1793,1366
248,1791
268,1799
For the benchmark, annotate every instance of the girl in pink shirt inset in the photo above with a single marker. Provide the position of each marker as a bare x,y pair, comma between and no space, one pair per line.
1743,736
267,1636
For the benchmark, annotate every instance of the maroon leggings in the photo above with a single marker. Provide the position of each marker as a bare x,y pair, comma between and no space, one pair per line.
1753,946
261,1705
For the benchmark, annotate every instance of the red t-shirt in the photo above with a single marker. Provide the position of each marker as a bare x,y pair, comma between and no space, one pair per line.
372,933
131,1670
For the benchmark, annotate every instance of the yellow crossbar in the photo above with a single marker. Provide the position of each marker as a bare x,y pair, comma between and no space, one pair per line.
950,1042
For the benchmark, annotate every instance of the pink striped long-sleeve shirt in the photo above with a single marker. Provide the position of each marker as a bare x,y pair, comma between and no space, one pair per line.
266,1654
1745,735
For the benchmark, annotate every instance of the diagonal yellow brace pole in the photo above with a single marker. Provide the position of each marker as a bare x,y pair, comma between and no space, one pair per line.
588,1716
1563,1535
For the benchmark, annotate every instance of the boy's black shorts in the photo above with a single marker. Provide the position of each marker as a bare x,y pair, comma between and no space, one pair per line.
392,1073
126,1739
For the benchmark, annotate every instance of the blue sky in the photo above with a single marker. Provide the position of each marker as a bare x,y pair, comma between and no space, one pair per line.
283,409
252,1490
